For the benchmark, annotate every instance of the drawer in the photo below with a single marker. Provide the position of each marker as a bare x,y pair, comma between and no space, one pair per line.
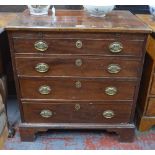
79,112
151,107
66,34
77,46
77,66
152,91
76,89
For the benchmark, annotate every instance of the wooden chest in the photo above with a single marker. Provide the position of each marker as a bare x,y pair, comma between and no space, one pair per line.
77,72
146,100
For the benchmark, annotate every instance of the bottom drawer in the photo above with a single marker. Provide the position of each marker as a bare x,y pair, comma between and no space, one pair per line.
81,112
151,107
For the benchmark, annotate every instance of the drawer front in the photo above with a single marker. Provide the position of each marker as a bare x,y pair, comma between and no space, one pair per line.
152,91
68,35
151,107
79,46
77,66
76,89
77,112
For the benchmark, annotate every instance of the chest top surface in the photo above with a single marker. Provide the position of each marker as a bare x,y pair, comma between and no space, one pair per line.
71,20
148,19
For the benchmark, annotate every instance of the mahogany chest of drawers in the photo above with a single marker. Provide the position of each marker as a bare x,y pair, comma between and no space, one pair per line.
146,99
77,72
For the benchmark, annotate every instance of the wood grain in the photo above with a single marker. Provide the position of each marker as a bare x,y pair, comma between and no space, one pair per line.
28,130
3,137
65,88
145,107
89,46
66,113
67,20
151,46
152,90
151,106
147,19
92,66
6,18
96,35
145,84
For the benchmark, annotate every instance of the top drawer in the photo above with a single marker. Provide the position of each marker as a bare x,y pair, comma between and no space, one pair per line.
78,44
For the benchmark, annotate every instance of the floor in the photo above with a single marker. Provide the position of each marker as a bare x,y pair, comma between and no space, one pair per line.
75,140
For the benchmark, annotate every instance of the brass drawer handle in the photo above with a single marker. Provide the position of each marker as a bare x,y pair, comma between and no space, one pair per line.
111,91
77,107
79,44
44,90
46,113
41,46
78,62
116,47
42,67
114,68
78,84
108,114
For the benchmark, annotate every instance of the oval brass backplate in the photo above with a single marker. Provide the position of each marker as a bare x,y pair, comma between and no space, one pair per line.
108,114
42,67
46,113
114,68
111,91
44,90
41,46
116,47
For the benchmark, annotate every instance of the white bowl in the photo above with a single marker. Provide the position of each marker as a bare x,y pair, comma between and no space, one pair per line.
152,9
38,9
98,11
